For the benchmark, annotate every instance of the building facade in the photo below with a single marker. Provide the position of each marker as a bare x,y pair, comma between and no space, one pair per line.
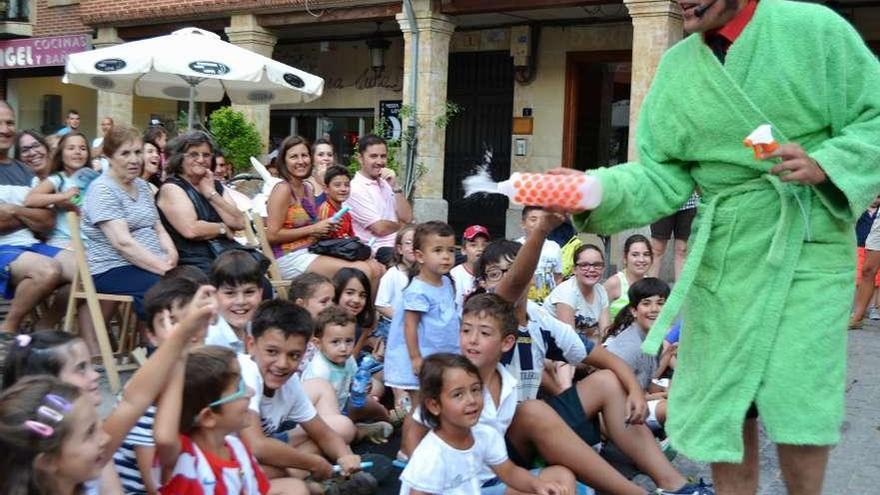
537,83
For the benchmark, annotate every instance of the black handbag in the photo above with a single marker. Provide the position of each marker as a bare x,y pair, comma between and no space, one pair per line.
351,249
221,245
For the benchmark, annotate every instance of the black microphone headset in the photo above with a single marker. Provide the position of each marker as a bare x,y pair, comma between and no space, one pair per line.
701,10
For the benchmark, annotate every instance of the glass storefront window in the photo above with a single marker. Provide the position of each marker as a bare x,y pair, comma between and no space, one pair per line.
341,127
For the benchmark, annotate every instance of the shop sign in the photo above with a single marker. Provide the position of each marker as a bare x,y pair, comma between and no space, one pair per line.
41,52
389,112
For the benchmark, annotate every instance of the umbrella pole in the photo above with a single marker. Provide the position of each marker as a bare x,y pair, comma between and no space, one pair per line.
192,107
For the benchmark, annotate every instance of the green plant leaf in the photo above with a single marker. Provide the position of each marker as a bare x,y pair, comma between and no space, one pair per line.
236,136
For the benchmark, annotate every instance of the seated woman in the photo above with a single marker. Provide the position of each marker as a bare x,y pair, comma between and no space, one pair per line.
198,212
323,157
32,149
152,163
129,249
292,225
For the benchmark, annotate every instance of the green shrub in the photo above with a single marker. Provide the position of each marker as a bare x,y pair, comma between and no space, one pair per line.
236,136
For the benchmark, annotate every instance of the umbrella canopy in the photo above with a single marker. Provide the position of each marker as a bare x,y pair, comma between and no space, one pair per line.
191,64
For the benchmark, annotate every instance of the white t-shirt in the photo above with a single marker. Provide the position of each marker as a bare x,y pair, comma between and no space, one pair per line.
437,467
551,256
569,293
289,403
498,418
464,284
391,285
544,337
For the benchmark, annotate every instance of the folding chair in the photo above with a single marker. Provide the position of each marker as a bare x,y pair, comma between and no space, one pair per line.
83,287
278,283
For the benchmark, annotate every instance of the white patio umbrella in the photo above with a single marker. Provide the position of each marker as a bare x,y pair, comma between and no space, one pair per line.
195,65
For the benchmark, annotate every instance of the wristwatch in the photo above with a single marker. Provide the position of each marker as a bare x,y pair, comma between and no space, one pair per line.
398,190
213,193
222,229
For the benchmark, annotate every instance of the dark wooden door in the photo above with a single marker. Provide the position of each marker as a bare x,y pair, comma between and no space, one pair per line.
482,84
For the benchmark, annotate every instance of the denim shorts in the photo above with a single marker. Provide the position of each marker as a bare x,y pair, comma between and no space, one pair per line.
8,254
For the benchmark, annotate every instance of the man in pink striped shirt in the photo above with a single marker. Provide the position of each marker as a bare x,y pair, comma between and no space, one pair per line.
378,206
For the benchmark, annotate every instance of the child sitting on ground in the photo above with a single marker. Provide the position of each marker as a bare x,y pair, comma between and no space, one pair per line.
237,277
166,302
646,298
452,456
427,321
200,411
334,338
390,296
314,292
488,331
506,268
288,434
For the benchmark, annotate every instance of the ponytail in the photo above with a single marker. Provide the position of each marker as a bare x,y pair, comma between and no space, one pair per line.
621,322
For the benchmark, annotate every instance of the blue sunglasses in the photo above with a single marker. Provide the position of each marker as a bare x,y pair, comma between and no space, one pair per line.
238,394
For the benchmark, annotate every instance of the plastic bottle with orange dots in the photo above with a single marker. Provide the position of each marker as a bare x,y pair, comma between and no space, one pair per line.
566,192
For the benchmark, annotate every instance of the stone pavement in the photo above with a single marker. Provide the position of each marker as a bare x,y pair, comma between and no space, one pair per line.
855,463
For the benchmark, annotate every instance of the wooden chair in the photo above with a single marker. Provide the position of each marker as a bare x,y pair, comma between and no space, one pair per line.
278,283
83,287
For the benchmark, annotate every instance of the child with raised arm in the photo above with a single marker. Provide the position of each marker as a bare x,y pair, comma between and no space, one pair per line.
450,459
166,302
506,268
200,411
427,321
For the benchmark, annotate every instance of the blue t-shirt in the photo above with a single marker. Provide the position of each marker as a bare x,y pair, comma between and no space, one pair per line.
437,331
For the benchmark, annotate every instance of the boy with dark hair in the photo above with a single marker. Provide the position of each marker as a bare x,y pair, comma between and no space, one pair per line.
238,278
506,270
165,304
286,433
337,186
549,268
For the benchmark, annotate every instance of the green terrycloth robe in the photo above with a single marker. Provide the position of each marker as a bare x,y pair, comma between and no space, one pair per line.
768,285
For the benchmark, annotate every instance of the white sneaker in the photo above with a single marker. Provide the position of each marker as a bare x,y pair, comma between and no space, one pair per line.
873,313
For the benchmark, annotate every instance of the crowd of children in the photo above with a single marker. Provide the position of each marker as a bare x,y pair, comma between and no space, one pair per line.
244,393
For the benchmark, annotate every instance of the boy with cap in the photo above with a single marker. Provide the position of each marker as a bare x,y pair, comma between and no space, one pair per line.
473,243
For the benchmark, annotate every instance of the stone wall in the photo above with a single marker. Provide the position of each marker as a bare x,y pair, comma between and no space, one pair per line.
349,82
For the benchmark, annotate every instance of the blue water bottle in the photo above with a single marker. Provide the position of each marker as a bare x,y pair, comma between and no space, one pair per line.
361,383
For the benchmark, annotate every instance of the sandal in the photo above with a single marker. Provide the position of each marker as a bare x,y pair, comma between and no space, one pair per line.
856,325
396,415
377,432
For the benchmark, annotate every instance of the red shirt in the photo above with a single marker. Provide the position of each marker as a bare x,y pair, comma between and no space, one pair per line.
734,27
327,210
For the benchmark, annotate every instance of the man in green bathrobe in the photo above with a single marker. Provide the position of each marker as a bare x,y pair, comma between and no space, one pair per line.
767,288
